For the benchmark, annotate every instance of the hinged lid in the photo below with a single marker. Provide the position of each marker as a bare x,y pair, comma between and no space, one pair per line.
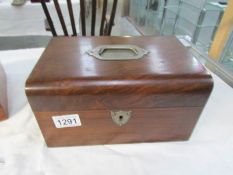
167,67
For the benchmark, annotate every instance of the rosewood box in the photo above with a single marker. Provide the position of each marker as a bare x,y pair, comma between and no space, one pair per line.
108,90
3,94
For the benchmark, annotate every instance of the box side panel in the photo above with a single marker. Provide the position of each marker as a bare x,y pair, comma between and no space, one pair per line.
3,94
97,127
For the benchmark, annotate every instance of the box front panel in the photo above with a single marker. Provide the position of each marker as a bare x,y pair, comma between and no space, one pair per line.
3,94
98,126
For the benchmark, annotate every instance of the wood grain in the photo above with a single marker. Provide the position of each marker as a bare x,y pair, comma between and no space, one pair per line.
167,89
162,124
3,94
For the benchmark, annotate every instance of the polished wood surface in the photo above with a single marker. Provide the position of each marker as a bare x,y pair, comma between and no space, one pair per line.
3,94
145,125
67,59
167,77
66,79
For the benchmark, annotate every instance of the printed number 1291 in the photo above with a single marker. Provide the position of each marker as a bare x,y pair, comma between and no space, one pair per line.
64,121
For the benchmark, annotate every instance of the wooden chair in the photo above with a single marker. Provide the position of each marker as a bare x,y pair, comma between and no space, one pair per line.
105,24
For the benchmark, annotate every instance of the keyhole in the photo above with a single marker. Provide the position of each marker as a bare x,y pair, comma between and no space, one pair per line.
120,117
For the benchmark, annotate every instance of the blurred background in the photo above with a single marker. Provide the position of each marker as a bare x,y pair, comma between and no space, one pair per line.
23,24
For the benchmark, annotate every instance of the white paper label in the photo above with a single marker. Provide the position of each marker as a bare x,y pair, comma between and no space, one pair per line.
64,121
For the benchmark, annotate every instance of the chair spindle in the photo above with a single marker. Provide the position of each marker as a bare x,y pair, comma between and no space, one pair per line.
104,10
70,9
111,22
44,6
93,17
60,16
82,13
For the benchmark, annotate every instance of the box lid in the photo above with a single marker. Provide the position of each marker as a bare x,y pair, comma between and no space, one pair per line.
65,68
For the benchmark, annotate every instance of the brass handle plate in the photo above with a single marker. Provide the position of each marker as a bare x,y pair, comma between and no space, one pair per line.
118,52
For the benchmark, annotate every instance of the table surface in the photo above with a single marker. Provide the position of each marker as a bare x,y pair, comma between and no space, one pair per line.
23,150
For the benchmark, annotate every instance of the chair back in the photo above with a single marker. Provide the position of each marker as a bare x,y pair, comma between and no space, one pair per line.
105,24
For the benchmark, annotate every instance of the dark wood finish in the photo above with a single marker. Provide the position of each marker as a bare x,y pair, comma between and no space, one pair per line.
3,95
49,19
167,78
60,16
93,17
105,24
70,9
82,15
111,22
104,10
146,125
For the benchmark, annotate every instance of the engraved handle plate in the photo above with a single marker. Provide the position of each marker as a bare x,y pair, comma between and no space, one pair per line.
121,117
117,52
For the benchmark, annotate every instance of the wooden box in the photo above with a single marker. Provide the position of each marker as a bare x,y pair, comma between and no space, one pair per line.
79,98
3,94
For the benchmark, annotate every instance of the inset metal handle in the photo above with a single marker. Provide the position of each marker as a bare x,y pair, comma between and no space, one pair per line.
118,52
